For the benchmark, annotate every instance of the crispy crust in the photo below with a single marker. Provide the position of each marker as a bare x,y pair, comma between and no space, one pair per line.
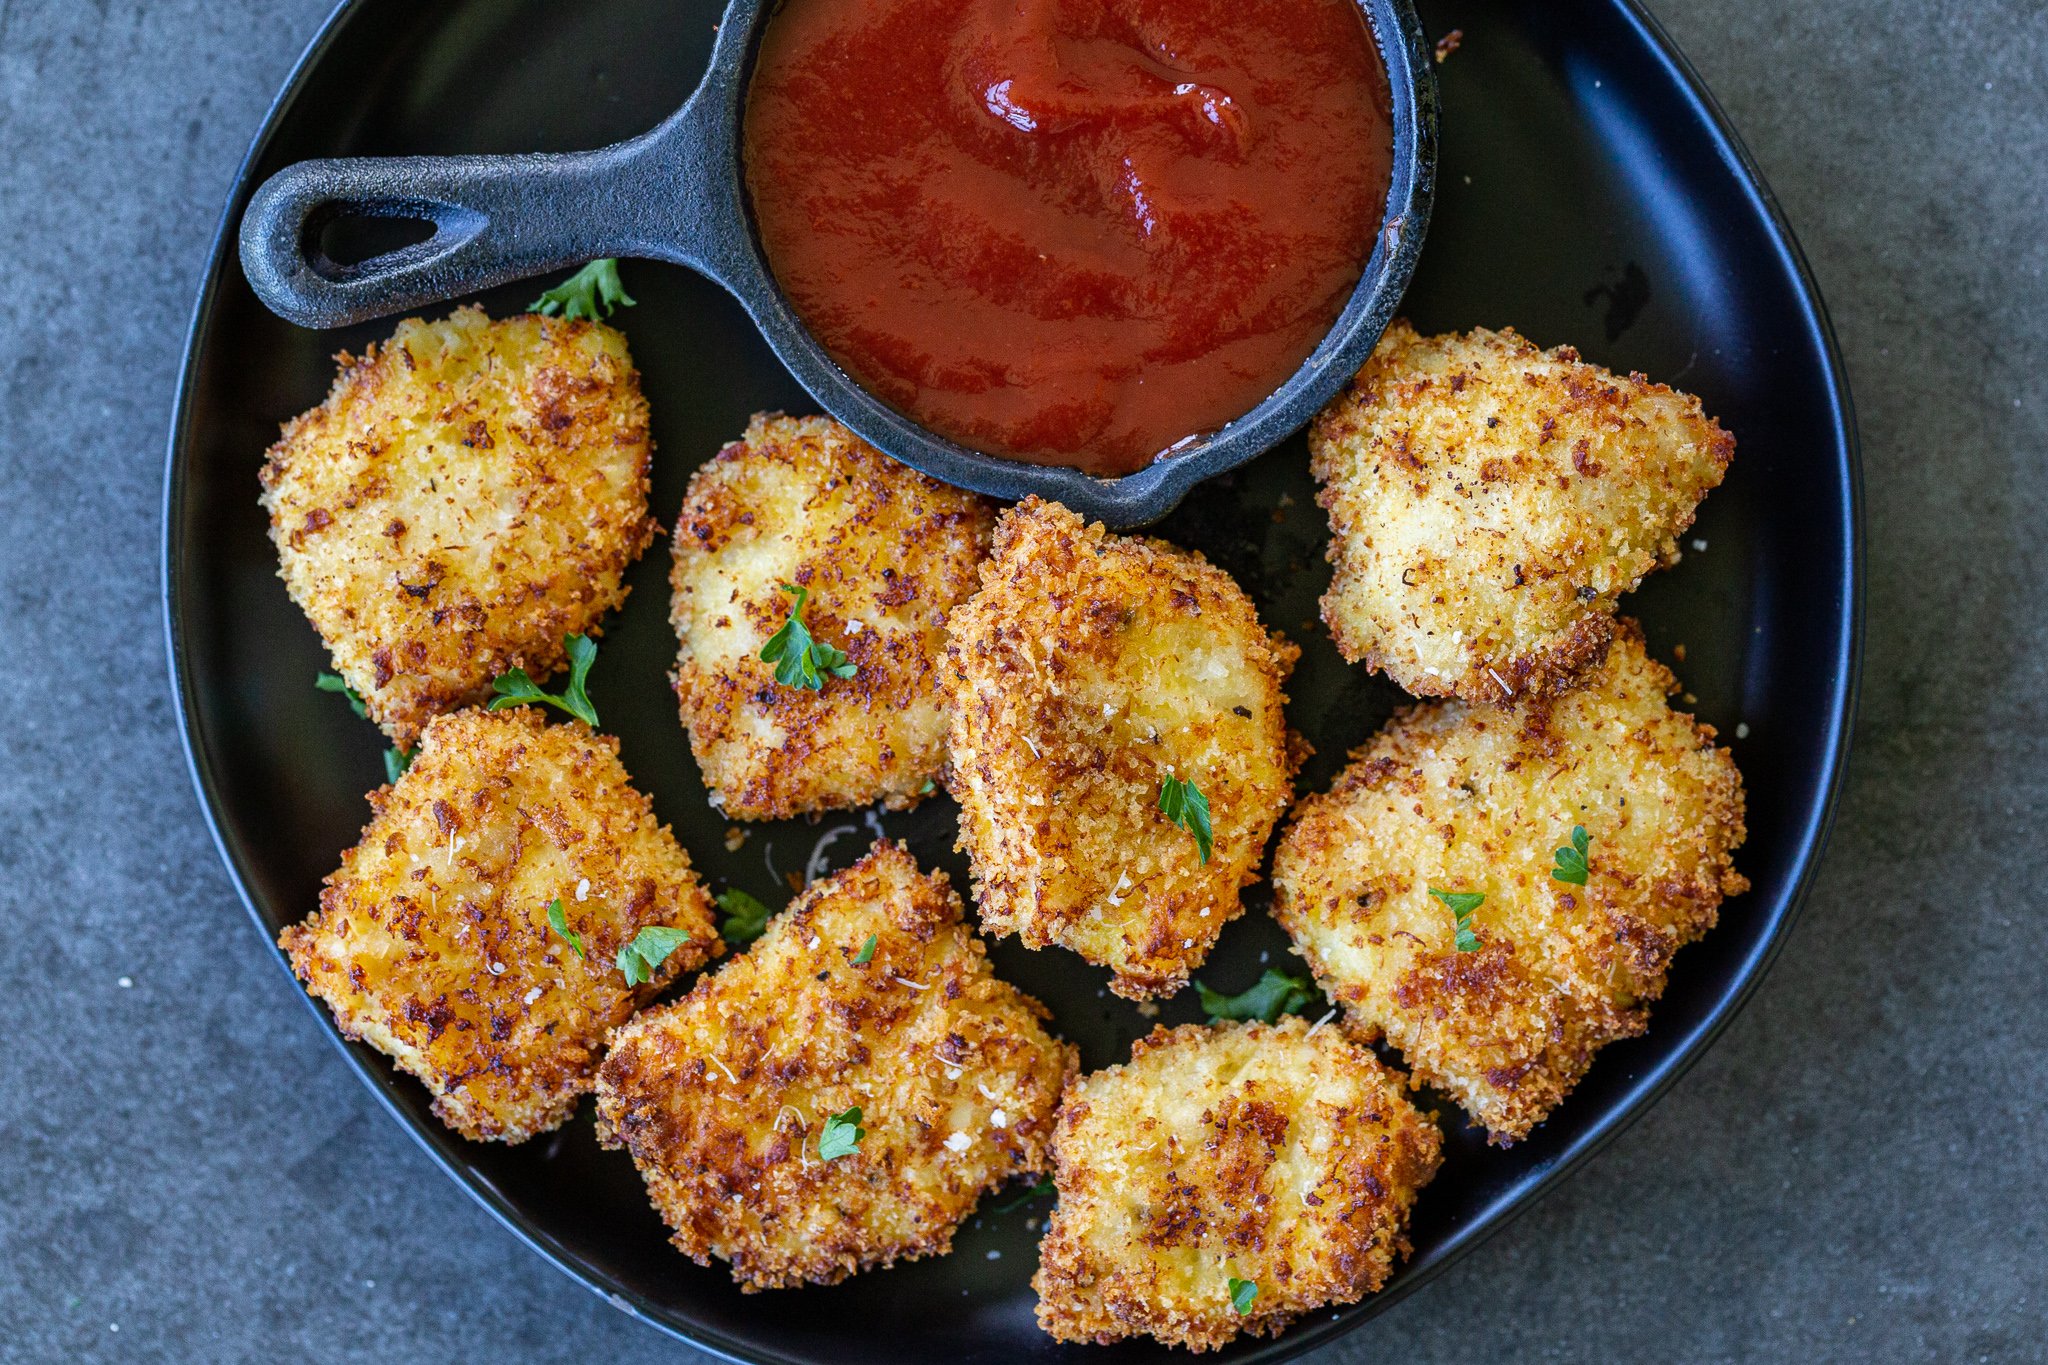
1489,502
805,501
1283,1154
470,493
499,814
1476,799
721,1096
1089,667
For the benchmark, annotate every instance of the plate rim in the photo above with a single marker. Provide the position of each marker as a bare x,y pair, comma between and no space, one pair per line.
1811,838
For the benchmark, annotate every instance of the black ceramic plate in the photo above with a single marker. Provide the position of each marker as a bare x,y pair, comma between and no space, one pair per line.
1589,192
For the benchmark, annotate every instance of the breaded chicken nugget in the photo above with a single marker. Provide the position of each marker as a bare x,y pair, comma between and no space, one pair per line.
469,494
433,943
1228,1180
1489,502
839,1097
1090,668
882,552
1469,800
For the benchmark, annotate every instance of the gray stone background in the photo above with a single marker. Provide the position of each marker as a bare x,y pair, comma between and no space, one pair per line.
1858,1170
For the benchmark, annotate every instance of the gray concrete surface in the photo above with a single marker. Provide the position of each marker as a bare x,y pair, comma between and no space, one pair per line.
1855,1172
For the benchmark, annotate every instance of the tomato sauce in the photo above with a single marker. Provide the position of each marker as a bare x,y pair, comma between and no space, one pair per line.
1071,232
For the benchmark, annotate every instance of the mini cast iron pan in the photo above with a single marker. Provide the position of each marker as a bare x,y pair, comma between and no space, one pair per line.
678,194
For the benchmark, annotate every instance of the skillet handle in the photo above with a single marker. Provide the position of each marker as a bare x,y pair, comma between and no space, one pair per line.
495,219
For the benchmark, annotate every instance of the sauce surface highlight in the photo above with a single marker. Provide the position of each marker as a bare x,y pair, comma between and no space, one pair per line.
1069,231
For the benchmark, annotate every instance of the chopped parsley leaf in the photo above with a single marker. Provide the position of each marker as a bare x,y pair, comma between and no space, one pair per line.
842,1135
559,922
746,919
516,689
1571,859
1242,1292
1462,904
1275,994
867,952
590,294
649,949
801,660
1184,804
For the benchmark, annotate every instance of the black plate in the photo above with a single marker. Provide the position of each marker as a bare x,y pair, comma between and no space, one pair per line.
1589,192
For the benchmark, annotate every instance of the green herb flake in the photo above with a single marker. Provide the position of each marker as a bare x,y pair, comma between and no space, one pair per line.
1242,1292
332,682
516,689
1276,993
801,660
746,919
1462,904
1037,1191
559,922
641,958
1184,804
589,295
397,762
867,952
1571,859
842,1135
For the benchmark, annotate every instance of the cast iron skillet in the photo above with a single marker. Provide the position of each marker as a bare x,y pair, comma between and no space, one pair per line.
678,194
1587,192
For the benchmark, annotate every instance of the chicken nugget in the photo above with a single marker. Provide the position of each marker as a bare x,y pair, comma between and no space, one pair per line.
433,942
1489,502
470,493
840,1096
1088,671
882,553
1227,1180
1502,1003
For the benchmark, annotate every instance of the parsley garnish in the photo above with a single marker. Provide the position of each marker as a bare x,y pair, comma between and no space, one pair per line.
396,762
1571,860
1276,993
1043,1188
842,1135
516,689
332,682
1462,904
559,922
648,950
867,952
799,659
596,286
1242,1292
1185,805
746,919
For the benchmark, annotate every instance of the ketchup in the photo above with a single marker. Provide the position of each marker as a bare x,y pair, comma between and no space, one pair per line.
1071,232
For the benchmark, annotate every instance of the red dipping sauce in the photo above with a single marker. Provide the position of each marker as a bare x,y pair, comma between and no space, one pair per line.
1071,232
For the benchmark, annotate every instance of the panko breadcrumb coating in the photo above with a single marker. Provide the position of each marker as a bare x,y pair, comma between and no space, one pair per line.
1089,668
884,553
723,1097
1477,799
1489,502
469,494
1282,1154
432,943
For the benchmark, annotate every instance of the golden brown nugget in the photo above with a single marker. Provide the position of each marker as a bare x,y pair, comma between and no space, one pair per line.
1088,669
1489,502
1279,1156
1468,799
469,494
883,553
432,943
867,994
